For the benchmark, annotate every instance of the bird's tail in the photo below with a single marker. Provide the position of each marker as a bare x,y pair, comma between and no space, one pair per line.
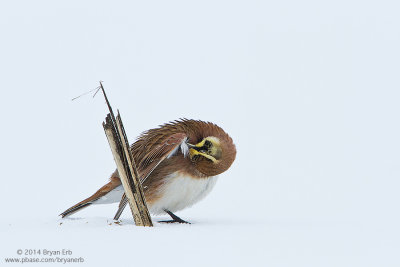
75,208
114,182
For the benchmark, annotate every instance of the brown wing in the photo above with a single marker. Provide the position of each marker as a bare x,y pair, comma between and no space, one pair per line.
159,152
149,156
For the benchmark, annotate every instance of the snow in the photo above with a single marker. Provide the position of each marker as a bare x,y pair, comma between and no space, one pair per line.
217,241
308,91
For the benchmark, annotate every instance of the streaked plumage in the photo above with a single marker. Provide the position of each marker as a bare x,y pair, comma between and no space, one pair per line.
178,164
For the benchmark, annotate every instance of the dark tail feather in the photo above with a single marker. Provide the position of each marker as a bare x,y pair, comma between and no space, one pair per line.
104,190
74,209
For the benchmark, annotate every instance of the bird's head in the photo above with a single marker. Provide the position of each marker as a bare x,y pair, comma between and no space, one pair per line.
213,155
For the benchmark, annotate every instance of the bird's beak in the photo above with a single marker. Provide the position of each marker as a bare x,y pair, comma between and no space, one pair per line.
195,147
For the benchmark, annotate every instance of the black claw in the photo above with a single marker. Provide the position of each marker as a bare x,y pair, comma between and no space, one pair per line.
175,219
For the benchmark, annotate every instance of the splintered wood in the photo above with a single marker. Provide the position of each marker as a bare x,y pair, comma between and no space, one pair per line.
119,144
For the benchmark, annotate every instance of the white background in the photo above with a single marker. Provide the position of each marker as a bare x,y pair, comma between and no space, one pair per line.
309,91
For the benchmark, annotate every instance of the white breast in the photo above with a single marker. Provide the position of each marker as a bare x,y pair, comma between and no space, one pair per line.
179,192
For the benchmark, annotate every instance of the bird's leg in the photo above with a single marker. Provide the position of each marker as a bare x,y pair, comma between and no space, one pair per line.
174,218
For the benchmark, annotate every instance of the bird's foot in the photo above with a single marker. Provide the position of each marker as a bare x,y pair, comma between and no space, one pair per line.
175,219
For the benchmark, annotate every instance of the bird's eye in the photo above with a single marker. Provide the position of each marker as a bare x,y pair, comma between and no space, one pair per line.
207,144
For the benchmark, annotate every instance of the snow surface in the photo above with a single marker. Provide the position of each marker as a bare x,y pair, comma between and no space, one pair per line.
308,90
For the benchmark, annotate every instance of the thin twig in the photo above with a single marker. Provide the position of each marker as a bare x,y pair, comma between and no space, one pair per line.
97,88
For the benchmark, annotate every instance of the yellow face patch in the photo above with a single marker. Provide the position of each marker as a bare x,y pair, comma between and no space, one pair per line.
194,152
209,148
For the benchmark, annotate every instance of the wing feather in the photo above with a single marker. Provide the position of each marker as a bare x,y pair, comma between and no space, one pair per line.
165,149
161,149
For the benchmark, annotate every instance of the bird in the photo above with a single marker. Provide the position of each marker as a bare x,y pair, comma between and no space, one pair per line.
178,164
